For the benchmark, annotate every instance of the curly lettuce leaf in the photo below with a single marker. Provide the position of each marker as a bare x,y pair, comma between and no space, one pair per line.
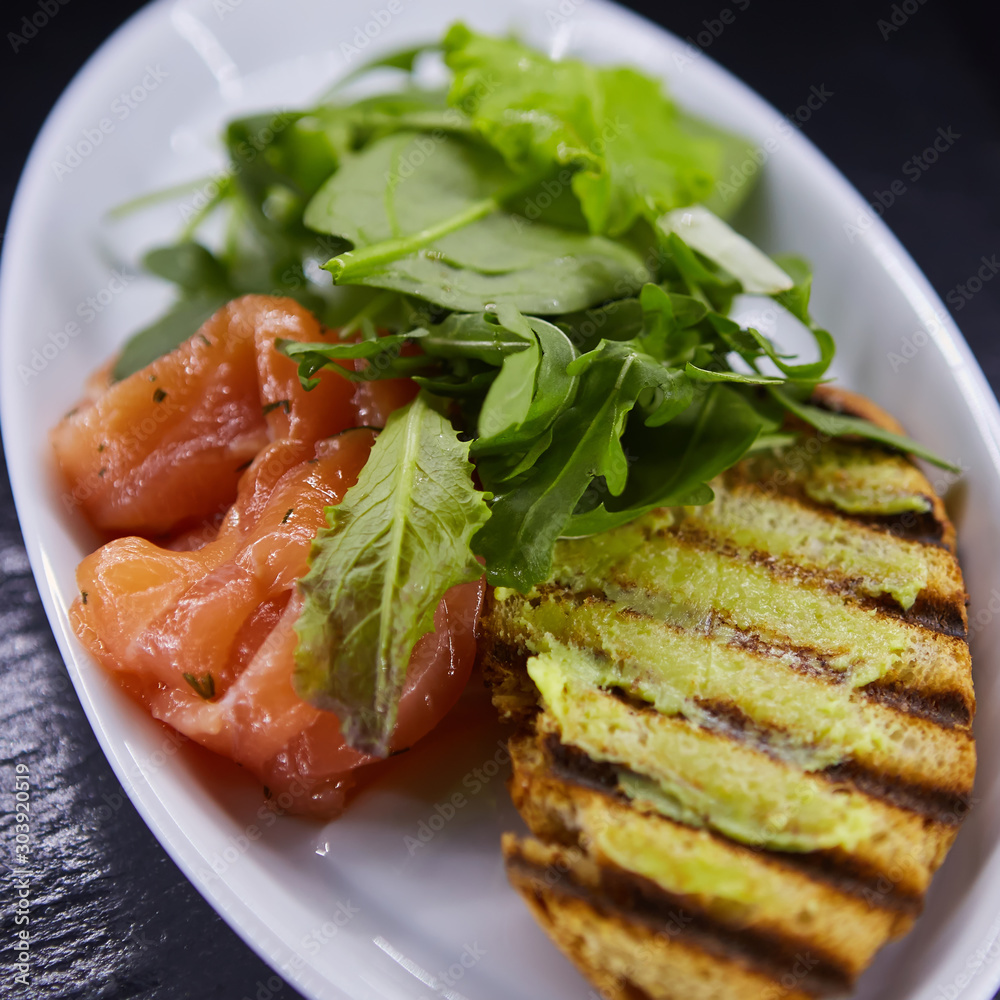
633,154
397,541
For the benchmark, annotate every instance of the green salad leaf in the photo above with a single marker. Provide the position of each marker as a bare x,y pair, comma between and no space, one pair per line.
169,331
397,541
424,216
530,512
706,233
531,390
844,425
674,464
630,148
384,354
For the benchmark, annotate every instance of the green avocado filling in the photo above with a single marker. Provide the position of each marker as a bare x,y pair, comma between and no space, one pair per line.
709,592
750,521
857,483
742,794
694,864
813,724
852,479
704,870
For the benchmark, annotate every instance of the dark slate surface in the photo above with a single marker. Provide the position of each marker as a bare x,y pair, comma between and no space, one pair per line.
111,916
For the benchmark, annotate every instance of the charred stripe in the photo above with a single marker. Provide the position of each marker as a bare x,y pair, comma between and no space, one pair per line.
837,869
634,899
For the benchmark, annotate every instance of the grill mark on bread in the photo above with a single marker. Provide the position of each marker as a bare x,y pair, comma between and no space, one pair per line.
947,708
572,764
932,610
635,899
922,527
803,659
837,869
942,805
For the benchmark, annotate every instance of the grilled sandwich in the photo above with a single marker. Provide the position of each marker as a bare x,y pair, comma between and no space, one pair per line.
744,730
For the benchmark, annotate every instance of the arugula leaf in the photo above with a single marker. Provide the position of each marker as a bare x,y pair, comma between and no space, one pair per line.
672,395
840,425
604,518
668,319
397,541
530,513
539,387
811,371
796,298
673,465
706,439
383,353
502,468
473,336
710,287
509,397
189,265
706,375
620,319
456,386
601,518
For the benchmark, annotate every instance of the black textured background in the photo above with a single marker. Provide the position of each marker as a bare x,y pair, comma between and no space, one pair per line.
111,916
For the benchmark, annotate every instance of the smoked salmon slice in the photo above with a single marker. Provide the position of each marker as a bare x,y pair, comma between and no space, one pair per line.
167,445
201,630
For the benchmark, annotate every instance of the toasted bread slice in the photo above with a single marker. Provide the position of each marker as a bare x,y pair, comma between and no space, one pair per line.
744,742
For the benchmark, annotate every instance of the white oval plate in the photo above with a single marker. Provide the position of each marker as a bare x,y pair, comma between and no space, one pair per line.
404,897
